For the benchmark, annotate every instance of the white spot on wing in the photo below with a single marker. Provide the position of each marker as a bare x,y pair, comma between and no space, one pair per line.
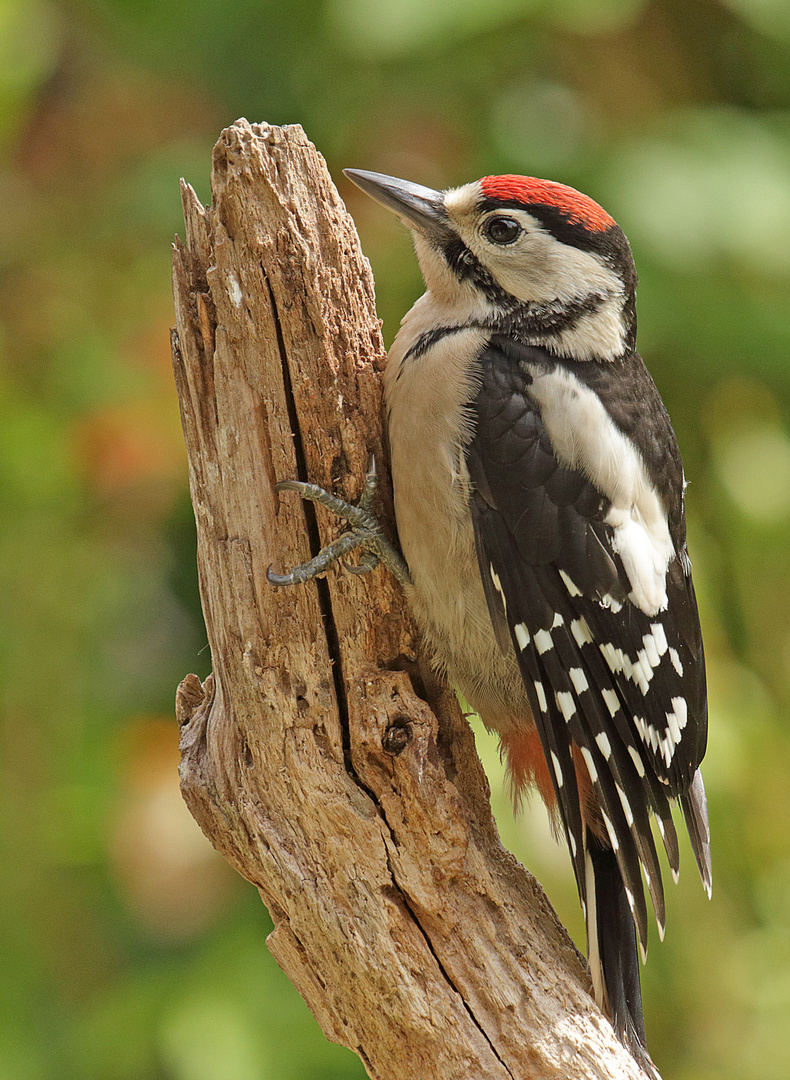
673,728
569,585
666,749
522,635
640,769
558,621
677,664
651,650
591,769
660,637
610,655
629,816
642,671
581,632
566,703
626,666
543,641
498,585
603,744
541,695
681,711
579,680
612,701
615,844
555,761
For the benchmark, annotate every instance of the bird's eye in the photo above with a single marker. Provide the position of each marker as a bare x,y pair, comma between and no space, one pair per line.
501,230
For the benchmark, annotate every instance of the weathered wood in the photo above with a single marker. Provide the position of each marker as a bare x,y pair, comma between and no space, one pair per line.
315,758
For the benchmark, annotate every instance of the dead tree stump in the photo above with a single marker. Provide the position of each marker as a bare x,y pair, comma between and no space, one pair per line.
315,758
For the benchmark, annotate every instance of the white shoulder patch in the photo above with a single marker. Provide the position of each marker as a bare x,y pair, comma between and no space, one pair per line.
585,437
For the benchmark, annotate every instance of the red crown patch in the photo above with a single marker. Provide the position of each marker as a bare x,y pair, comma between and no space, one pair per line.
579,208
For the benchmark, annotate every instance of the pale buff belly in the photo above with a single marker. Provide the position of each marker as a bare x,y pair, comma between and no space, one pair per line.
428,431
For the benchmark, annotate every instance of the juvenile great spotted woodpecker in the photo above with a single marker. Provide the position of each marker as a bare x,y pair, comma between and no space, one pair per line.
539,498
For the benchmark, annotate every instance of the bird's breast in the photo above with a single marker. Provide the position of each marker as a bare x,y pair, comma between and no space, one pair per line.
430,426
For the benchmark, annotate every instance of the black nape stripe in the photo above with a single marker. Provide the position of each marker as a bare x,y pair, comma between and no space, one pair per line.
529,321
610,243
522,324
520,319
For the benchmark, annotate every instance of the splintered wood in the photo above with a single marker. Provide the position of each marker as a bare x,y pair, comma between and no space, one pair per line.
319,757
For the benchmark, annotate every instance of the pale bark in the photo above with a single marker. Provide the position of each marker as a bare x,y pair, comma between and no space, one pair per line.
315,758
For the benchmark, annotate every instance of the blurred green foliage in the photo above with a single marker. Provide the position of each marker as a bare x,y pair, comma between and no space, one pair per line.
128,950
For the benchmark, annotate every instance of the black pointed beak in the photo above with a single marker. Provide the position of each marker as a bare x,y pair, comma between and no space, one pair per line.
418,207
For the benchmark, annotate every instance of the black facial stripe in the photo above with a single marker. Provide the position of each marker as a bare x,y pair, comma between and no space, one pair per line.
430,338
528,321
467,267
522,315
524,323
555,221
611,244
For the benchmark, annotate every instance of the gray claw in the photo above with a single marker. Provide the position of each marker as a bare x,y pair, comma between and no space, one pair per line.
368,561
365,533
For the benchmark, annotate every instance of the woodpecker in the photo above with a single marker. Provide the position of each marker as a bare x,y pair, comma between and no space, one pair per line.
539,500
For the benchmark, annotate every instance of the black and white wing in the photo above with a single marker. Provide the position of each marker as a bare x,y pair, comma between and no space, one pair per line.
574,577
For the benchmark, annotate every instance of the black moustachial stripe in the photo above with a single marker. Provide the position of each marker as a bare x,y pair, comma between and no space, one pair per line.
611,245
467,267
430,338
520,325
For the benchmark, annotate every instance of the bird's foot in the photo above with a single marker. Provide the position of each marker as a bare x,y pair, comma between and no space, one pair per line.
365,533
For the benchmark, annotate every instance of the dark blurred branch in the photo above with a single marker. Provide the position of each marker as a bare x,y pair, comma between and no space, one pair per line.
413,936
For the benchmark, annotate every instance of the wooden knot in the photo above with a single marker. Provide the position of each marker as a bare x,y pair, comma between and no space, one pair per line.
397,736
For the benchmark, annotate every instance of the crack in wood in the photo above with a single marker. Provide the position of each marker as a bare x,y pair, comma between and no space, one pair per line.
440,964
314,539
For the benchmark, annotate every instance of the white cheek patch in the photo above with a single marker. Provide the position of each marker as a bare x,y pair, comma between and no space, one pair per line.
599,334
584,437
538,269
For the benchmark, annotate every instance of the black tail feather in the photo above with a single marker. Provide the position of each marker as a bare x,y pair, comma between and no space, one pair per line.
612,949
695,809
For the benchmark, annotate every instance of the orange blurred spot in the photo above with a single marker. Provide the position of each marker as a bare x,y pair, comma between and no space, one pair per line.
122,445
168,873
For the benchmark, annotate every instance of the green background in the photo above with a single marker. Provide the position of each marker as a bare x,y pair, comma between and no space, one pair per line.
128,950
